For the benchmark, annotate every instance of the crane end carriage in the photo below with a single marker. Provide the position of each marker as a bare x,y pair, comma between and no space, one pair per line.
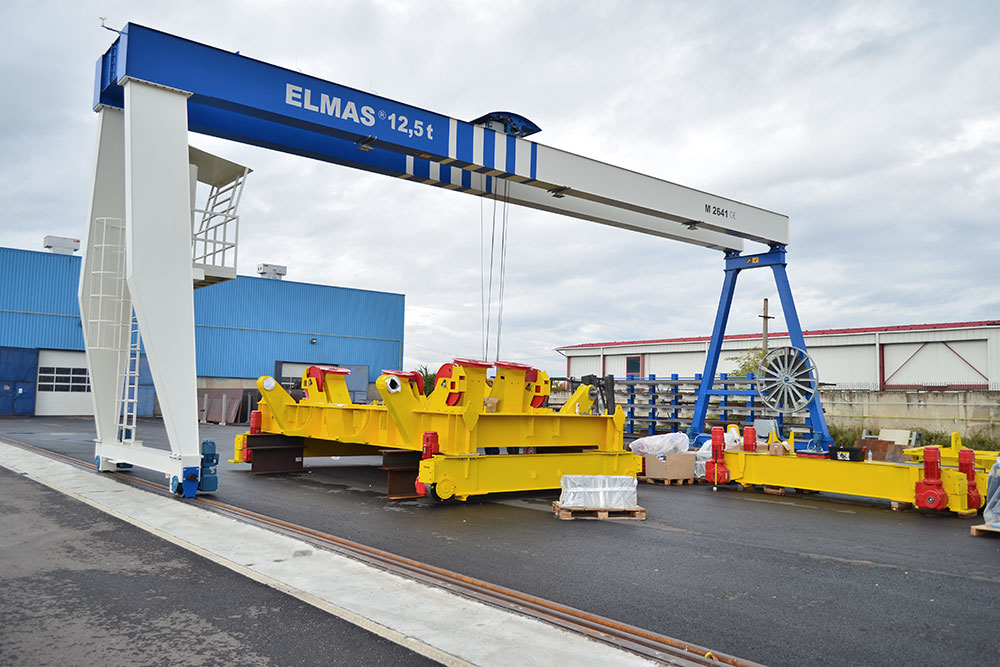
453,435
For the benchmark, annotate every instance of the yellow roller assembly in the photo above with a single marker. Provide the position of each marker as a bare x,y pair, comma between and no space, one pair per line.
469,414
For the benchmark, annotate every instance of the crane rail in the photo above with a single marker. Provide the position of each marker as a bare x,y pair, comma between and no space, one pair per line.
650,645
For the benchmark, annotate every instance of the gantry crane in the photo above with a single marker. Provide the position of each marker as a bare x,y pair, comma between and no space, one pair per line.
153,88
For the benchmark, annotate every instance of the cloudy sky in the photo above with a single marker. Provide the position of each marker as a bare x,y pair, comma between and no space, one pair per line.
875,126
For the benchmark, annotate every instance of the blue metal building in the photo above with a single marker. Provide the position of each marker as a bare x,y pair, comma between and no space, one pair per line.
244,328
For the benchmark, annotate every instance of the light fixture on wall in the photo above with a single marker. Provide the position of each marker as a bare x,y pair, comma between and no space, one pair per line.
312,341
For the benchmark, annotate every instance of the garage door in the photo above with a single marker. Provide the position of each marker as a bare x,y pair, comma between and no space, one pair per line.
63,386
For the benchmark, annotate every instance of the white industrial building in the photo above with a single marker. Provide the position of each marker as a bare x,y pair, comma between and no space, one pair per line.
946,356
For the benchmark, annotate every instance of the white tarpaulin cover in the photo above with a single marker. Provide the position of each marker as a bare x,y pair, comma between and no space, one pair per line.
598,491
991,513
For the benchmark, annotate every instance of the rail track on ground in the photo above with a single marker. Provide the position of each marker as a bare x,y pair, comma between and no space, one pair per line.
650,645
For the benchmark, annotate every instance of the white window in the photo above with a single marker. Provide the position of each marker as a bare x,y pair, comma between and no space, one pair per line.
63,379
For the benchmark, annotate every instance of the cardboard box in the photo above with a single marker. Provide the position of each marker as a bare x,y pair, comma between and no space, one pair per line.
778,449
673,466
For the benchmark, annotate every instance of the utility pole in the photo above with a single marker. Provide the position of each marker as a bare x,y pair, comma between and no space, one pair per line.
764,316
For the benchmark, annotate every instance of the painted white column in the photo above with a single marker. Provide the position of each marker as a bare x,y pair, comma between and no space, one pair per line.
878,364
158,252
105,343
993,356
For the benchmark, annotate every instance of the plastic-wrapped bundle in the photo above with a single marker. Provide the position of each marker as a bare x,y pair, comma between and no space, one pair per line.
598,491
701,457
991,513
666,443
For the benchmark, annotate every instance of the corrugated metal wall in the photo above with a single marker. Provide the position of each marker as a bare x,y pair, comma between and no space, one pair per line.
960,358
38,307
580,366
242,326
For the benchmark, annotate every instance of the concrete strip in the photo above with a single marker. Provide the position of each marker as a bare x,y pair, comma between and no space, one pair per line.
428,620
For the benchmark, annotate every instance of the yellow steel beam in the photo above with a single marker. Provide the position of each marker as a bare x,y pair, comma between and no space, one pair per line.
873,479
463,476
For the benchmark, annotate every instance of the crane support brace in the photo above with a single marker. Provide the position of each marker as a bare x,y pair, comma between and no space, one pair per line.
472,416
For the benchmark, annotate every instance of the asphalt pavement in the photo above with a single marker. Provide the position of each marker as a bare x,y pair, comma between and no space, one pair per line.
79,587
790,580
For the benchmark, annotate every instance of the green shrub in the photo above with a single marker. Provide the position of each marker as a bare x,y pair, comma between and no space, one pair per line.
972,441
748,362
429,377
844,436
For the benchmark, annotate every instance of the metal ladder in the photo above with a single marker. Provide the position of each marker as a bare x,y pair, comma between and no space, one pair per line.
112,308
109,294
214,240
129,403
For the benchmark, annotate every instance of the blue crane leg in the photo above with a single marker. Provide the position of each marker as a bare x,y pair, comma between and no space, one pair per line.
714,349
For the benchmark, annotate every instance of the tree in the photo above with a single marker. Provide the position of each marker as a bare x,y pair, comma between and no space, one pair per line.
748,362
428,376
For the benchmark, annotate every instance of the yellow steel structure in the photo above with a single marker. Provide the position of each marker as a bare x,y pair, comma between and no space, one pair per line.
468,412
949,455
873,479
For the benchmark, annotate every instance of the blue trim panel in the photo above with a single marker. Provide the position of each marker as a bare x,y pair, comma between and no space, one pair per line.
422,169
463,144
511,154
489,148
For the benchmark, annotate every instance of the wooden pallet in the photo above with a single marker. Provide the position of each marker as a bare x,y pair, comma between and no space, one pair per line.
569,513
983,529
667,482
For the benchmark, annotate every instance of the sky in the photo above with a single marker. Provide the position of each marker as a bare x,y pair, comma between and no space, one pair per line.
875,126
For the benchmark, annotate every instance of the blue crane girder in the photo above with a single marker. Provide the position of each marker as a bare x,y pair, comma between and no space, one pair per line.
242,99
236,97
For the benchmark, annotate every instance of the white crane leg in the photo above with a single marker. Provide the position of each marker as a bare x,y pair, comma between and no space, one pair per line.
158,267
104,303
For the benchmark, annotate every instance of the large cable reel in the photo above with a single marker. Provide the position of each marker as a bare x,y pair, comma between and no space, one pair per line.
787,380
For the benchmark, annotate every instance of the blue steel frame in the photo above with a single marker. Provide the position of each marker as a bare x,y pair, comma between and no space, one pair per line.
735,262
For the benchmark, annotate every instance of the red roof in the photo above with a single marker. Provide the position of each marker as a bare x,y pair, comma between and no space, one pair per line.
780,334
